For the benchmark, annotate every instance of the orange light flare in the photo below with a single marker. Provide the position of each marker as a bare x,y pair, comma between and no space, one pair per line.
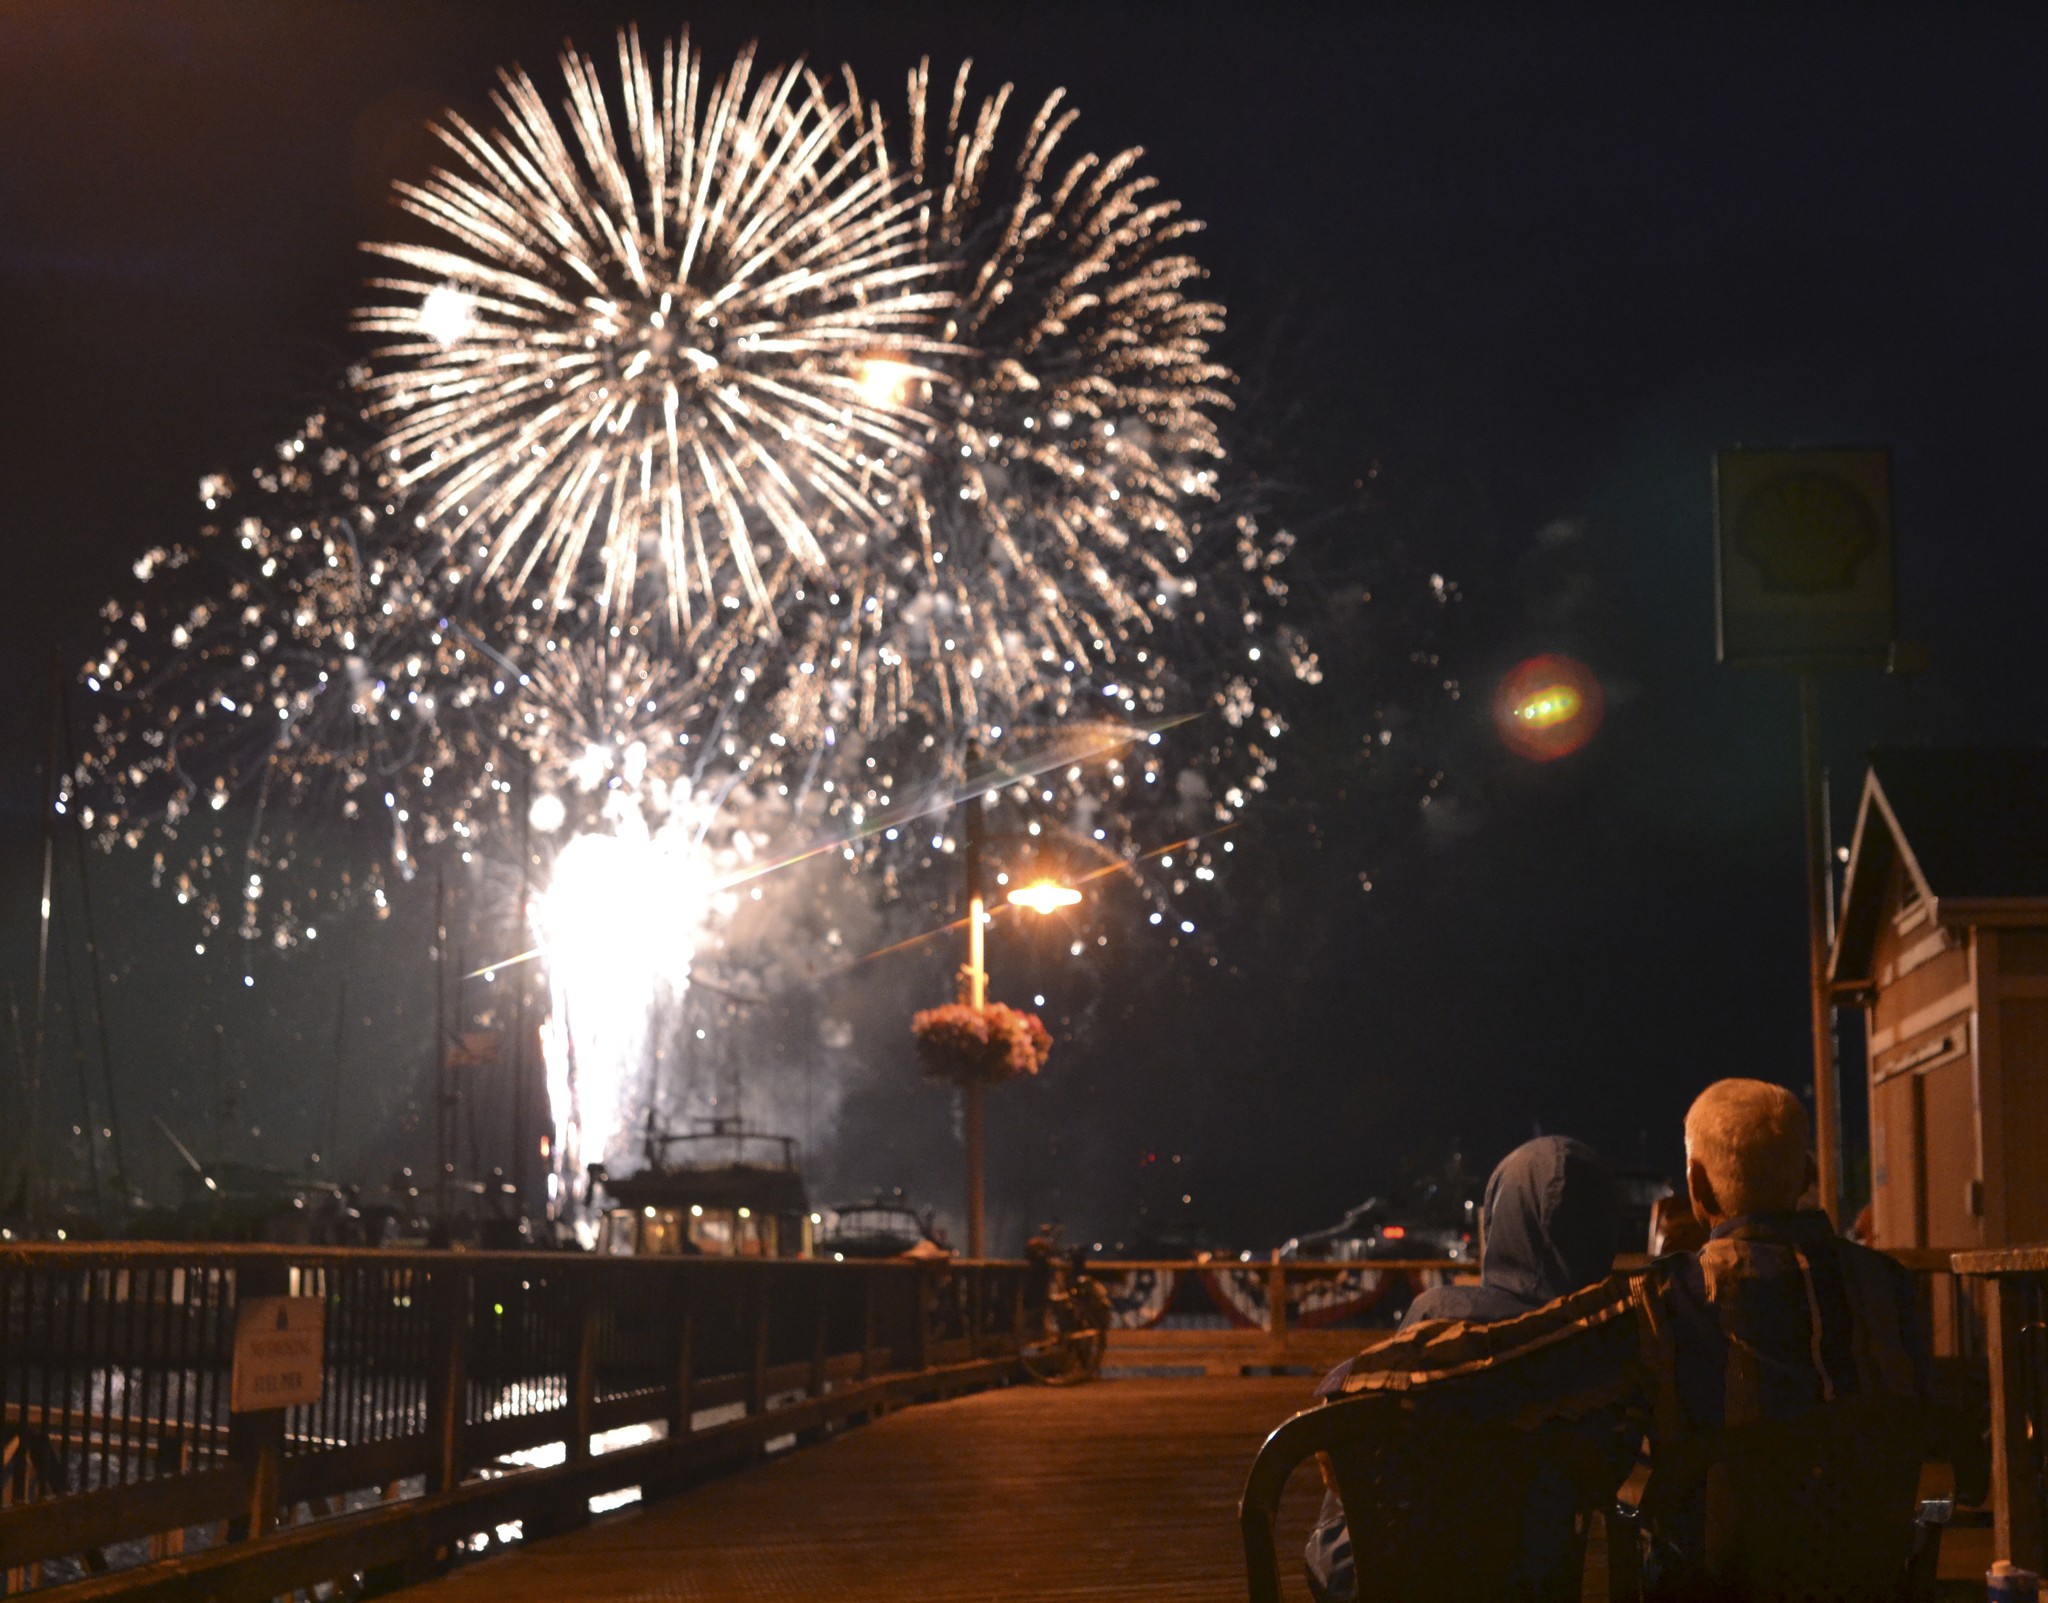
1045,896
1117,866
1548,707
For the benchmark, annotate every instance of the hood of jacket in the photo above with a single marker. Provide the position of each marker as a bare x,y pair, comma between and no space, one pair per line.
1552,1221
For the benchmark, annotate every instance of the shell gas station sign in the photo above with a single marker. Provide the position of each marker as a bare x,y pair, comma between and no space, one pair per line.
1803,555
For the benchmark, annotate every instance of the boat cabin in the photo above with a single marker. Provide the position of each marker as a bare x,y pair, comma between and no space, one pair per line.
720,1190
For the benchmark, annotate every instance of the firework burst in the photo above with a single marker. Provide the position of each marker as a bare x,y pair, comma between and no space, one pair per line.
1068,577
655,356
1077,423
284,685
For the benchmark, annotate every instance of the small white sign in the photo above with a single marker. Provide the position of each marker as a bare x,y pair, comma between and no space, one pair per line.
278,1346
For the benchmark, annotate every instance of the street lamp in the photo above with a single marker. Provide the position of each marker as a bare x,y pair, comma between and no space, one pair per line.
1042,896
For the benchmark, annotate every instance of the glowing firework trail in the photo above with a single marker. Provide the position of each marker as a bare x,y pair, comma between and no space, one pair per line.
620,923
666,347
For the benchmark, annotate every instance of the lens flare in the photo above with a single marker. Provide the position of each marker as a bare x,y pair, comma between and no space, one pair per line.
1548,707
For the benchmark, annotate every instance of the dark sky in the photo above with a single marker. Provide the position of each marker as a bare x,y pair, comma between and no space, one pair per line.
1526,271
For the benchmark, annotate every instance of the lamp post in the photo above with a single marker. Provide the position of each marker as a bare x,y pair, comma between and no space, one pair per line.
1041,896
974,986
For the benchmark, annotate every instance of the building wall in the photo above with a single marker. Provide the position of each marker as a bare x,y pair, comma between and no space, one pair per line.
2016,1029
1923,1127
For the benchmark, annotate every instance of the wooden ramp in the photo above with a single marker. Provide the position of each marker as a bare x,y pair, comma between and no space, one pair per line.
1121,1489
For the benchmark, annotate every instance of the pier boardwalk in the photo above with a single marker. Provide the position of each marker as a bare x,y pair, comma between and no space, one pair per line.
1122,1489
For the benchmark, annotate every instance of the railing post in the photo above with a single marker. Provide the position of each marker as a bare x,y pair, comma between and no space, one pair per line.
974,1309
926,1303
1276,1303
447,1381
757,1380
256,1439
686,1371
821,1336
2015,1490
583,1383
867,1322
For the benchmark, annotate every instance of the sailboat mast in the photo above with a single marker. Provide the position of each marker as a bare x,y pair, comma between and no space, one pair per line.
38,1024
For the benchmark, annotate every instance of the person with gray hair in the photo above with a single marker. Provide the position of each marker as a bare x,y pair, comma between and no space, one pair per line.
1777,1314
1780,1374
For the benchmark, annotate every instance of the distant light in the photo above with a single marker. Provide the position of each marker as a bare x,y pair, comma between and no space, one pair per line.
696,1210
817,1218
1038,1001
746,1213
885,382
1394,1232
547,814
1045,896
649,1211
447,314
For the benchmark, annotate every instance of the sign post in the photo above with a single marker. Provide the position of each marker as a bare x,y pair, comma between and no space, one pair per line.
1804,581
278,1356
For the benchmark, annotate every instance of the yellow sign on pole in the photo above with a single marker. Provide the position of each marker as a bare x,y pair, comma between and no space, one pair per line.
278,1345
1803,556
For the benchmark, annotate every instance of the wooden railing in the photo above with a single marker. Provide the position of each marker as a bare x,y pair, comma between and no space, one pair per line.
466,1398
1228,1316
469,1399
2013,1294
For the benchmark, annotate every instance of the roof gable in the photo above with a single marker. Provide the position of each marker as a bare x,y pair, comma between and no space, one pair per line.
1968,824
1975,818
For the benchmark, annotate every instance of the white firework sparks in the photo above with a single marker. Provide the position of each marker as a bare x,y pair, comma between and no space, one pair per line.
285,685
653,357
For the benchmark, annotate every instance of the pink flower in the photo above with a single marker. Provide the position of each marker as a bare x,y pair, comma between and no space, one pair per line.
965,1045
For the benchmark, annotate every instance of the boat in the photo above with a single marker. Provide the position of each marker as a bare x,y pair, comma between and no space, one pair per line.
883,1226
718,1190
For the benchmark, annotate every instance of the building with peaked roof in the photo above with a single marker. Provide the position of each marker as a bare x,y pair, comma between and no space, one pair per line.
1943,939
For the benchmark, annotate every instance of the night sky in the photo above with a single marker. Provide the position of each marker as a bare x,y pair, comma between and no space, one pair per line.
1499,286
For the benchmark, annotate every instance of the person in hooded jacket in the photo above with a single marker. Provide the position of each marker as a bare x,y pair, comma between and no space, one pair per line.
1552,1224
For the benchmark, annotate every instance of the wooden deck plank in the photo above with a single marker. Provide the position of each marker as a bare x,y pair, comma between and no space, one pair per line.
1122,1488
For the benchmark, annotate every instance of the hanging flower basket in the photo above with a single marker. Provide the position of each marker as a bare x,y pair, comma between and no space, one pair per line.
985,1046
